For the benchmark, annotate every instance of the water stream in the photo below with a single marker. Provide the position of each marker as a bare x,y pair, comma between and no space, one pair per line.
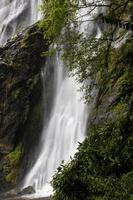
60,136
67,124
16,15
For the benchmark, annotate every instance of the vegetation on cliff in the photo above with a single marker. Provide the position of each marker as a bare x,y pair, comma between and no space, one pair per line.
89,55
20,66
102,169
12,162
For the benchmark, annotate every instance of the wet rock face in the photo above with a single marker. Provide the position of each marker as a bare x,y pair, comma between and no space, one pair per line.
27,190
20,66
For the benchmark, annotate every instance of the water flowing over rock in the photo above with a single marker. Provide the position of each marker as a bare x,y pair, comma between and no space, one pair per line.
28,190
65,128
67,122
42,117
16,15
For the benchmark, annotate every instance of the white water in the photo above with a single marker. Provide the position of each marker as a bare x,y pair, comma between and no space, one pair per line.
16,15
61,135
69,115
68,119
66,127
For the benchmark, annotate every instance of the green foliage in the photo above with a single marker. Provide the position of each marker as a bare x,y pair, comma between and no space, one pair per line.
12,163
131,197
120,9
84,55
57,14
103,167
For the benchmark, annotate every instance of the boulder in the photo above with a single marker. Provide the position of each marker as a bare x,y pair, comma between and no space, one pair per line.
27,190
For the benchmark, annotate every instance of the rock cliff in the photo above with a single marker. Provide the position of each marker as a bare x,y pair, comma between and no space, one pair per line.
20,99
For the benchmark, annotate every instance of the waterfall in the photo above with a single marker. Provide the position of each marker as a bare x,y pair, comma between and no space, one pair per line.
67,124
61,135
15,15
65,128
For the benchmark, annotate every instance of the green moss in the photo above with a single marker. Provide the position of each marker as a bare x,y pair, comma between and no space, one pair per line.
12,177
15,156
33,81
99,198
12,163
120,107
122,80
16,93
131,197
23,43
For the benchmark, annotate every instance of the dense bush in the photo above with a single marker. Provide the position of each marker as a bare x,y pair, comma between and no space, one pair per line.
102,169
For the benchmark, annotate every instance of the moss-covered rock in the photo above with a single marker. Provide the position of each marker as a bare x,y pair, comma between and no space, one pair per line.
20,91
12,162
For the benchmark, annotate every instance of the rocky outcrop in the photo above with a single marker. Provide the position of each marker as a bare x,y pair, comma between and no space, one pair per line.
20,90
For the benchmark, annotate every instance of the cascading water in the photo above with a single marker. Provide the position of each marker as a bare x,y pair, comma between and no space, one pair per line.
64,130
60,136
68,118
16,15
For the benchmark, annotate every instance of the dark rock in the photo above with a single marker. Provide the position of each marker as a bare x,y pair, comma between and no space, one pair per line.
27,190
20,80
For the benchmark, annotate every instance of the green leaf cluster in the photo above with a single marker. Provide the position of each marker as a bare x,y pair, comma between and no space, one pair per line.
57,14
